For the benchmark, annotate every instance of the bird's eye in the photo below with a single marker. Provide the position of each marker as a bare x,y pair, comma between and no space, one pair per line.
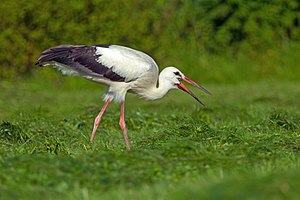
178,74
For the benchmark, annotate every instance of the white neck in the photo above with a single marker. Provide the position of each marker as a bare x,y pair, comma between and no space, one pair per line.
154,92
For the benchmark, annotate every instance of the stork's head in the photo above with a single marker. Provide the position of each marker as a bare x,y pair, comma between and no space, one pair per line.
175,78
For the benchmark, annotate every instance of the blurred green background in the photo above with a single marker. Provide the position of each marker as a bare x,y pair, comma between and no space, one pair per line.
218,41
244,145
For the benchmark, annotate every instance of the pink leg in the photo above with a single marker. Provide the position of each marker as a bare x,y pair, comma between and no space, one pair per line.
98,119
123,125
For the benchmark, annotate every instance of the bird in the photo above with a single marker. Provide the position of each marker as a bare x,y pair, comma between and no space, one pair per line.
122,69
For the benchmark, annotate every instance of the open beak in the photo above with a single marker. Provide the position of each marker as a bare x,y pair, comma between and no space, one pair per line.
183,88
186,79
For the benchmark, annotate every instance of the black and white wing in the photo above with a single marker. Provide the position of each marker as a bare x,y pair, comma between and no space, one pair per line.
99,62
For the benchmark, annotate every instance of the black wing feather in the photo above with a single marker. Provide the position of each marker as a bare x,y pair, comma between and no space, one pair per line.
80,58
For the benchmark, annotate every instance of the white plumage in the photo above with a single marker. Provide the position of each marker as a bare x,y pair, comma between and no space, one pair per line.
121,68
126,62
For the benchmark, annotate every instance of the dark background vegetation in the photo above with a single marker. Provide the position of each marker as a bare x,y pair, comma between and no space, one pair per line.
256,36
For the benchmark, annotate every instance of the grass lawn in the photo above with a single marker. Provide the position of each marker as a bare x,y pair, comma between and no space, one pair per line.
244,145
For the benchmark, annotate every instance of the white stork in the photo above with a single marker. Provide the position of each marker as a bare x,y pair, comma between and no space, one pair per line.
122,69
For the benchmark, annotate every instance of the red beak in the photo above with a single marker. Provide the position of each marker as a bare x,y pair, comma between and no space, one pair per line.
183,88
186,79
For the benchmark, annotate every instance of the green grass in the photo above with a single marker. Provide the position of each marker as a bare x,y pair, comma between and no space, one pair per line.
244,145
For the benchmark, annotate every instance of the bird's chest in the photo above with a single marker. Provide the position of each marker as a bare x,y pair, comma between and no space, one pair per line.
143,84
146,81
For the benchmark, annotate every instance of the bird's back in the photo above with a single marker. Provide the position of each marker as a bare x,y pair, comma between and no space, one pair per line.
102,63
